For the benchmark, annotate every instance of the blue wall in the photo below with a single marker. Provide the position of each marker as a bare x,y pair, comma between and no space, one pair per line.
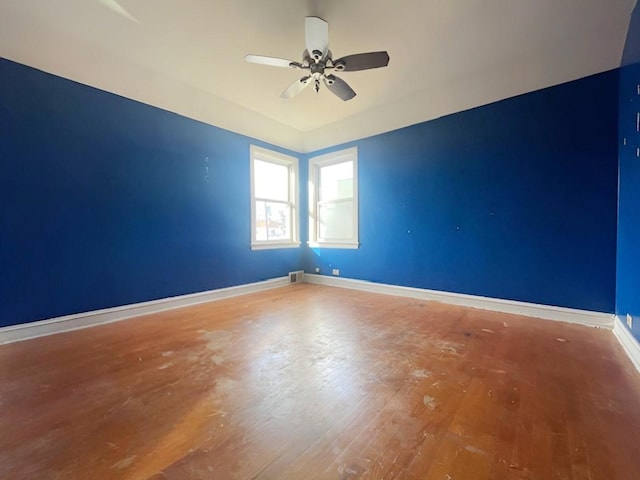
628,269
105,201
513,200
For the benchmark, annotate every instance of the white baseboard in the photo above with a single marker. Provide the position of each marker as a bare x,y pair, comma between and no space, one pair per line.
547,312
628,342
98,317
77,321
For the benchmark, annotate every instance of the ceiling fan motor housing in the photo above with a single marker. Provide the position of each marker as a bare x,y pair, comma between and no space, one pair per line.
317,68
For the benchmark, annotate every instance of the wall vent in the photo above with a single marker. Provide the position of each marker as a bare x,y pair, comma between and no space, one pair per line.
296,277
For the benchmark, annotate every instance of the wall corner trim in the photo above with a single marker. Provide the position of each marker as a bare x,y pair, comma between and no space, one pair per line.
67,323
628,342
546,312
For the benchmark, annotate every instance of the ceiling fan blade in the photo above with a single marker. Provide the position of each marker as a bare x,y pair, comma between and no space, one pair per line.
316,32
119,9
296,87
362,61
273,61
339,87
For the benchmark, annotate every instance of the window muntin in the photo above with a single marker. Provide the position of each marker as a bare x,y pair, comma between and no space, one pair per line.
274,180
333,200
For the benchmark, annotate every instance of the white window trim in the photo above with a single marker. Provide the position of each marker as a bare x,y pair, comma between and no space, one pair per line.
263,154
350,154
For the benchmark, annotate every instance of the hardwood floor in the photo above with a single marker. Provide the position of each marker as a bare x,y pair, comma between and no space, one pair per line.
310,382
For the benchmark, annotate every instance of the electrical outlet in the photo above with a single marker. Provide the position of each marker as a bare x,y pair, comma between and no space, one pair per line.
335,271
629,321
317,269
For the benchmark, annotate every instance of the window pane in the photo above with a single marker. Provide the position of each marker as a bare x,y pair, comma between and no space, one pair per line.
336,181
335,221
273,221
271,180
261,221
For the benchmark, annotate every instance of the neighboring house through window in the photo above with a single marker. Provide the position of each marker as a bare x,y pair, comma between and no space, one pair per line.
274,199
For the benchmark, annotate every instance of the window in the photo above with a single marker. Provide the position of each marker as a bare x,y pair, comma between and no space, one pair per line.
333,200
274,180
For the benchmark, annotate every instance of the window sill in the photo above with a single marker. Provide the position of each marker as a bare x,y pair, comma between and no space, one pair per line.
274,245
346,245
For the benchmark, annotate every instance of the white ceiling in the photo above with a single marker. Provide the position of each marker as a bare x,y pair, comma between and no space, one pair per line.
187,56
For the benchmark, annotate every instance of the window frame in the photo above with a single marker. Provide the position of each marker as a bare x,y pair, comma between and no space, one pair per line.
270,156
315,165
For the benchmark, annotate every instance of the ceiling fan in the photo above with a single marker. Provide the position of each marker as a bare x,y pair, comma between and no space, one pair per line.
319,63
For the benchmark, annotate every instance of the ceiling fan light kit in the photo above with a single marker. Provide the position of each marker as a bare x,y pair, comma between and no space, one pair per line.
318,60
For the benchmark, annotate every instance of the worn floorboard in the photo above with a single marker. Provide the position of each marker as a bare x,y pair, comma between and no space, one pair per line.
311,382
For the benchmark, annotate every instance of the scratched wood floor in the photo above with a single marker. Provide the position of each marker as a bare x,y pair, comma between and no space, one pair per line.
310,382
